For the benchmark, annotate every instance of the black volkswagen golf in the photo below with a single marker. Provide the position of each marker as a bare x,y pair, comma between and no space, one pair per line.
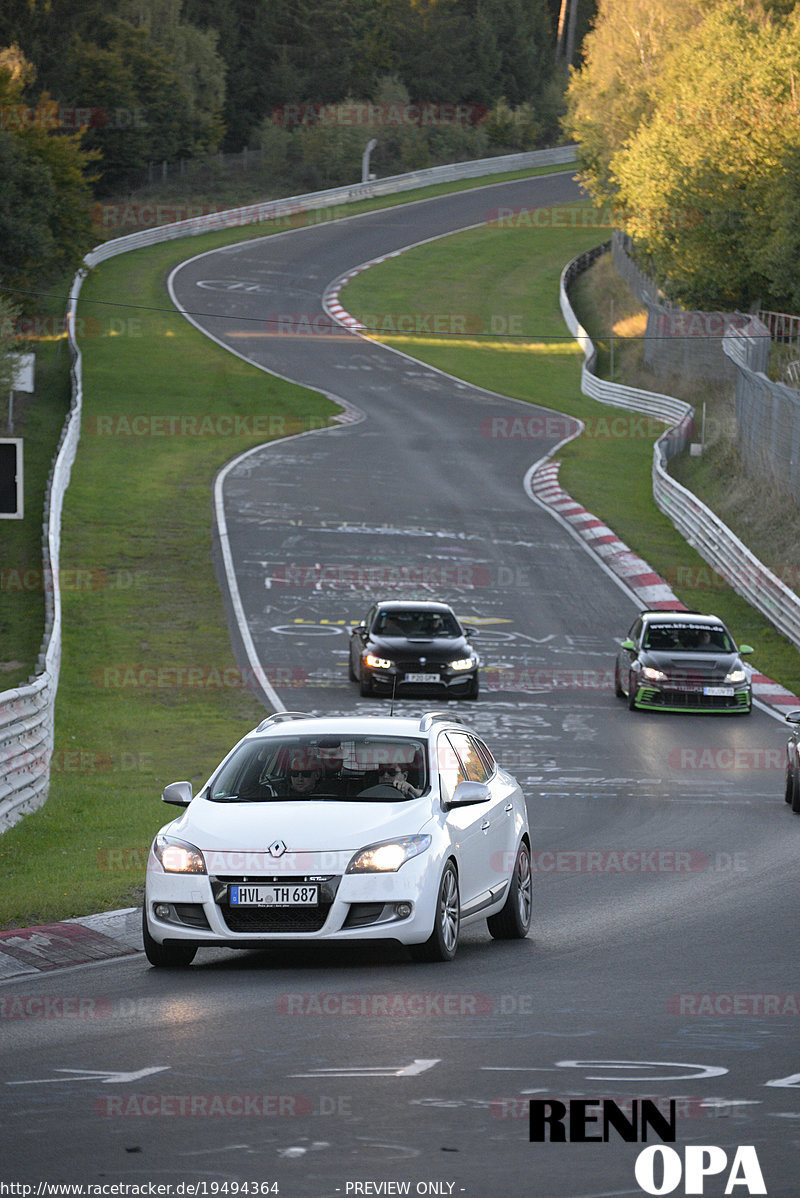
421,646
682,661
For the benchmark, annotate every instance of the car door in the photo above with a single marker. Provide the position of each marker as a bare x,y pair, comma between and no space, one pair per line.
497,816
481,827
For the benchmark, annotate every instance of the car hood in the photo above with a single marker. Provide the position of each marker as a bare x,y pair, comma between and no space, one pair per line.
303,825
432,648
705,665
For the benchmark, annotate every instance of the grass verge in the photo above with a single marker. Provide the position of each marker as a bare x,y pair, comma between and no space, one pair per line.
499,274
148,676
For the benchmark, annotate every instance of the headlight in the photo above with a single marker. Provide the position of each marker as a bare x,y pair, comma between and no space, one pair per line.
377,663
388,856
463,663
736,676
178,856
653,675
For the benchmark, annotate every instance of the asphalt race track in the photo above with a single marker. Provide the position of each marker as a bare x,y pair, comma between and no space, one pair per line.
663,958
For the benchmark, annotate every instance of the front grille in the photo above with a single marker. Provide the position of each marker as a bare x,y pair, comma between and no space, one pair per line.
693,699
278,919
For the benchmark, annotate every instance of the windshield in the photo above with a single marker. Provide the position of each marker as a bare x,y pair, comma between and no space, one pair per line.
365,768
694,638
416,624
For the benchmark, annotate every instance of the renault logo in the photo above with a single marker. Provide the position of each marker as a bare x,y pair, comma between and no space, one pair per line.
277,848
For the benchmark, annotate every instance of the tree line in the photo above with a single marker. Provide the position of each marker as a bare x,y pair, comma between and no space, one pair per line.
92,91
687,115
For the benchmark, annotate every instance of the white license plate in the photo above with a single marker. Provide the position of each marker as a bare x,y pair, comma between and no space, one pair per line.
724,691
274,896
422,678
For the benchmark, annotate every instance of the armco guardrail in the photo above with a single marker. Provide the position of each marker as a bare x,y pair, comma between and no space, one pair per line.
27,713
704,531
271,210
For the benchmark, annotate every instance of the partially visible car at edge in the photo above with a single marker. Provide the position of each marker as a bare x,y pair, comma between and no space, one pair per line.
792,790
402,646
318,829
682,661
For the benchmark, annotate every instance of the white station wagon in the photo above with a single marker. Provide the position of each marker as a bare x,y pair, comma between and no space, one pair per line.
342,828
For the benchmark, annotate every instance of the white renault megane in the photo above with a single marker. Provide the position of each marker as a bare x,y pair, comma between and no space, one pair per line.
340,828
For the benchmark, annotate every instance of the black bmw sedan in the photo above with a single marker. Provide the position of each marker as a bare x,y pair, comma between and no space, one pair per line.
402,646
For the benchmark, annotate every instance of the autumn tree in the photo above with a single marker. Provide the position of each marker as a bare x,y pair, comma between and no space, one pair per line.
618,85
698,181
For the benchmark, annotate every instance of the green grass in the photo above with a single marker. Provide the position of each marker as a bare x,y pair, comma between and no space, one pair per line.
495,273
38,421
142,607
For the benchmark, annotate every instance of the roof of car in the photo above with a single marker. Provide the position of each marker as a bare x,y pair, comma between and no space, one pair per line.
413,605
680,617
347,725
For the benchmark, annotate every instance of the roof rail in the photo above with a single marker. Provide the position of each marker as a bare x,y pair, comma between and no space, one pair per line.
434,717
278,717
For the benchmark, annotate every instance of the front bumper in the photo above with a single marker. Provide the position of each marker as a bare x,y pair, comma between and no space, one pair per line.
448,680
195,908
663,697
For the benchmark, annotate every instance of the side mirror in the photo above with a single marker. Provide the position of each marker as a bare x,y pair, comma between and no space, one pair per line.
743,649
468,793
793,717
628,644
470,632
179,793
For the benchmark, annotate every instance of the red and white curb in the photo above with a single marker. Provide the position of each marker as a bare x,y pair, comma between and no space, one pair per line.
650,588
330,300
82,941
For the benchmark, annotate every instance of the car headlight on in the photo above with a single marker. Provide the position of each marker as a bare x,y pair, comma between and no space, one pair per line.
653,675
462,663
377,663
387,856
738,675
178,856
